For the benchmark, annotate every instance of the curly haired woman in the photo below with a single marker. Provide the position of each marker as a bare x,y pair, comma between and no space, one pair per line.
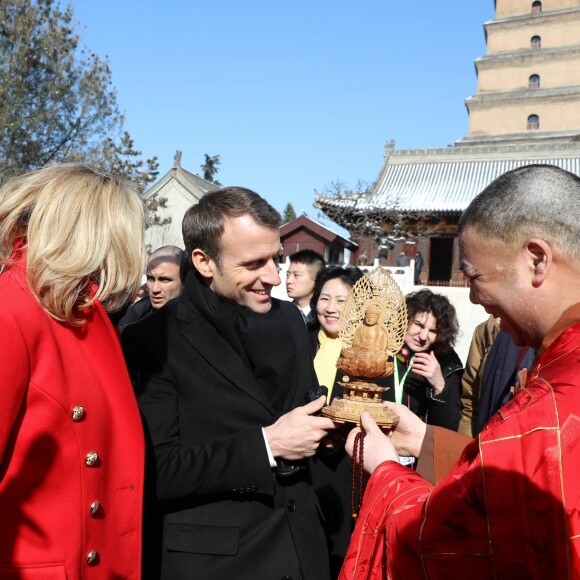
427,377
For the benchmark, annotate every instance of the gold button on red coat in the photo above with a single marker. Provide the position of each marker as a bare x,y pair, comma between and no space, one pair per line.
78,413
91,458
92,558
95,507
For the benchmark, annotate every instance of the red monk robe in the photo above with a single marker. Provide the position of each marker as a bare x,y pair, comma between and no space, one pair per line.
508,509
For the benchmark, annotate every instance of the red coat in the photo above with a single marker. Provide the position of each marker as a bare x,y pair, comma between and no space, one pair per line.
510,508
70,436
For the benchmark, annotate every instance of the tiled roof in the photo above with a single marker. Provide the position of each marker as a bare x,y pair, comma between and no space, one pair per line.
323,231
412,181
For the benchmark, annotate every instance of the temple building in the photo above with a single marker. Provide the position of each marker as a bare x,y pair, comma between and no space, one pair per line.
526,110
180,189
305,233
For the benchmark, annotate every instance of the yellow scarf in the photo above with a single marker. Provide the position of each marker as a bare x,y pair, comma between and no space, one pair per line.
326,359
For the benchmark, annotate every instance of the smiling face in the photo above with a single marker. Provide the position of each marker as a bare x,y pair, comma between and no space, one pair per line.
248,268
422,332
497,280
329,305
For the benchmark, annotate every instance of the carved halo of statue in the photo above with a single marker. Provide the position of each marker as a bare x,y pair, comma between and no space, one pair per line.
372,329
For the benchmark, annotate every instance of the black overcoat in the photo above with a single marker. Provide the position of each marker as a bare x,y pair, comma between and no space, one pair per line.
225,512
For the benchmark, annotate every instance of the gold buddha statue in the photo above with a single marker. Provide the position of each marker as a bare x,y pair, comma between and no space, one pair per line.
367,356
373,324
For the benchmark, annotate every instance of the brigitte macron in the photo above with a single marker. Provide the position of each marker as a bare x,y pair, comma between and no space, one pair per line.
71,441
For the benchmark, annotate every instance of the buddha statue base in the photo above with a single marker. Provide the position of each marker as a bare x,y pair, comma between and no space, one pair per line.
358,397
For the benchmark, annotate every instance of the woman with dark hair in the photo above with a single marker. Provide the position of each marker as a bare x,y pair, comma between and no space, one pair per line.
331,472
427,376
330,290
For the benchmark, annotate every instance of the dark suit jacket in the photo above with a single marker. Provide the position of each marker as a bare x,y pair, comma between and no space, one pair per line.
136,312
226,513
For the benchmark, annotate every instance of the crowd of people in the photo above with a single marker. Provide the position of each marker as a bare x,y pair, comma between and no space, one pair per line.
179,434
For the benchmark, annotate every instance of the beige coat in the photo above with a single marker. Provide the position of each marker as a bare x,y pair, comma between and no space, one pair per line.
483,337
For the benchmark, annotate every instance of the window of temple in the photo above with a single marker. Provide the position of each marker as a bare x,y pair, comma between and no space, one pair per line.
533,122
536,7
534,82
536,42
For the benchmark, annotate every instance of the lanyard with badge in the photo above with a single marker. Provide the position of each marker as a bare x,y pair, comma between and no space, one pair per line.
399,384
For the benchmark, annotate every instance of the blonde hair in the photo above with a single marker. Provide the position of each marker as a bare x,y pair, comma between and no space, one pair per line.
77,225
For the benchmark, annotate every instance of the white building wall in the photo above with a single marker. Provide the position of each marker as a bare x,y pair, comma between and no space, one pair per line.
179,200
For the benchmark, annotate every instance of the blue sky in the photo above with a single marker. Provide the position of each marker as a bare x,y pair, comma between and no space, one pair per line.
291,95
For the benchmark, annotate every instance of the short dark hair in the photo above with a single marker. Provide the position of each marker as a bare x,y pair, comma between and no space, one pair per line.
348,276
203,223
185,266
165,254
443,312
310,258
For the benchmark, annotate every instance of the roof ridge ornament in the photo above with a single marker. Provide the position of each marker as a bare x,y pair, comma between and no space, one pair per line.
177,160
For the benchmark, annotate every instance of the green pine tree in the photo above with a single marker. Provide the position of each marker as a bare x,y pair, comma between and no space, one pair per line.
289,214
57,102
210,168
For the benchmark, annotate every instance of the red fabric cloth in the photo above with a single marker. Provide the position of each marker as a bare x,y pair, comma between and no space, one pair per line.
46,488
510,508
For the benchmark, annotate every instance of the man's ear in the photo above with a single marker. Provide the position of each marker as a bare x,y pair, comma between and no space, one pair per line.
203,263
541,255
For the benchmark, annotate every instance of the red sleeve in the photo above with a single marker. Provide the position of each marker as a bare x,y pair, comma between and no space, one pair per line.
392,504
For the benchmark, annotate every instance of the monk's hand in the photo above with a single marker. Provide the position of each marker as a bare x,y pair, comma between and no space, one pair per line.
298,433
425,364
377,445
407,436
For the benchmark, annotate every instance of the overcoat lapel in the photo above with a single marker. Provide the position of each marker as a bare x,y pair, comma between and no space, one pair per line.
300,377
220,355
